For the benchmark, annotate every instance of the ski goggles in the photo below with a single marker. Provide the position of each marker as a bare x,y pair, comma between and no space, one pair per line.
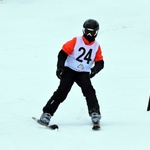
90,32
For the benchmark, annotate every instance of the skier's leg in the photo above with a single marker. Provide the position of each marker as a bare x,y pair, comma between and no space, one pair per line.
61,93
88,91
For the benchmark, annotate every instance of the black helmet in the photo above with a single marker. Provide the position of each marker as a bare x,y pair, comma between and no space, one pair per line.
91,24
90,29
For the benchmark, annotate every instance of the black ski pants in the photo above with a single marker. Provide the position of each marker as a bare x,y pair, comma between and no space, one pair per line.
68,78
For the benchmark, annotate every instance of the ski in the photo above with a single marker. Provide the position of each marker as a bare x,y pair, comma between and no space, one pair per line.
96,126
52,127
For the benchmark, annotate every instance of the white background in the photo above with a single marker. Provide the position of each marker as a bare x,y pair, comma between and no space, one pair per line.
31,34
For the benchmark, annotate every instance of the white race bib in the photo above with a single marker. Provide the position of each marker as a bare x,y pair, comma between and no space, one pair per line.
82,57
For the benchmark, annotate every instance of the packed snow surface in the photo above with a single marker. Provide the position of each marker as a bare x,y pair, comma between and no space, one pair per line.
31,34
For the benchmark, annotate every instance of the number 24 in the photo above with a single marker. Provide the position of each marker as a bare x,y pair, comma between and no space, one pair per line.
87,57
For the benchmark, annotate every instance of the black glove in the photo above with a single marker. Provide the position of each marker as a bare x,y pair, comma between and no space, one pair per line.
93,73
59,72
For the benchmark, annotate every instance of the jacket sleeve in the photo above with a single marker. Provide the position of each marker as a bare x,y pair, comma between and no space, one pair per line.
67,49
99,65
61,59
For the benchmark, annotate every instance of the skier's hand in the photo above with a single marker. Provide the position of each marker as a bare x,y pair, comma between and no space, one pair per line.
59,72
93,73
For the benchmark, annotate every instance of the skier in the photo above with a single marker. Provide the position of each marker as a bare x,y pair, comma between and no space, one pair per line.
79,60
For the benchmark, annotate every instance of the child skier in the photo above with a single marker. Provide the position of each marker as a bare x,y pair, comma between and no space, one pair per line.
75,64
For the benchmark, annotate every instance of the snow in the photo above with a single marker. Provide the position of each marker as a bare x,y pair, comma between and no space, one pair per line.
31,35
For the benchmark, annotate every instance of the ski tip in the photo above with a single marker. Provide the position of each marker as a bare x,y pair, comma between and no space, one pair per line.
54,127
34,118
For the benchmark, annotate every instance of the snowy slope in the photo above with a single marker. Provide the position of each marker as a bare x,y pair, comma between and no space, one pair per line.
31,35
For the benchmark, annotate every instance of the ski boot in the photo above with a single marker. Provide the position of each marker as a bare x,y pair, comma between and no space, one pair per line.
45,118
95,117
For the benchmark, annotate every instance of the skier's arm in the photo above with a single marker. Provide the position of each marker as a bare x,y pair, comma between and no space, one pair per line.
61,59
99,65
67,49
60,63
